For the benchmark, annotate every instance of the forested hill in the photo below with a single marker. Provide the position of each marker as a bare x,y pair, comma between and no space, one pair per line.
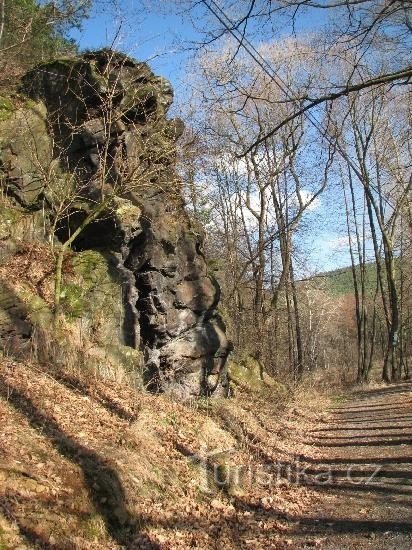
340,281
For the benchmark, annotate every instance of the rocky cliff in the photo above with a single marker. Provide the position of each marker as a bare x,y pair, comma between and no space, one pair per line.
88,144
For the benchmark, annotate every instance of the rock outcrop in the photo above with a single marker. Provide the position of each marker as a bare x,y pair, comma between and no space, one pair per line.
94,130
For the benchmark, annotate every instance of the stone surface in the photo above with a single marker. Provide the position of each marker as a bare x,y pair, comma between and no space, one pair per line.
25,152
106,114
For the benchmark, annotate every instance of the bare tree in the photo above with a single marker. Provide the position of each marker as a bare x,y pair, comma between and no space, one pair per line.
261,198
374,140
368,30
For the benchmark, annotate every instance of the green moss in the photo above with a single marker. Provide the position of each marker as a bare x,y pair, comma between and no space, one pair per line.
6,108
131,359
138,96
19,224
61,63
93,526
30,104
94,291
214,265
72,300
245,371
39,311
3,545
100,79
171,420
127,212
336,399
24,130
36,308
66,62
8,218
96,296
92,267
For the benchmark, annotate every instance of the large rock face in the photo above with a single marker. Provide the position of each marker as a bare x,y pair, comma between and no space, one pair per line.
108,136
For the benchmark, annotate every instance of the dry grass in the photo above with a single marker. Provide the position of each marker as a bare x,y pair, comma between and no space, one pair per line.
31,270
95,464
28,279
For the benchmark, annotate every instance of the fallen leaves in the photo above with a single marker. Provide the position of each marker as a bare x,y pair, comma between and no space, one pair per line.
103,449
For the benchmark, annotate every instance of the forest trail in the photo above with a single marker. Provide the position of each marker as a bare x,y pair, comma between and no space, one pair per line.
361,469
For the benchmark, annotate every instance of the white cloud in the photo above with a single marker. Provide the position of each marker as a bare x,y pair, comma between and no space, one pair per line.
337,242
306,197
228,163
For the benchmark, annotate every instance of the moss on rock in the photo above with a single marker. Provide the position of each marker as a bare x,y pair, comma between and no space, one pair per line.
245,371
25,150
97,292
9,218
17,224
39,311
73,300
6,108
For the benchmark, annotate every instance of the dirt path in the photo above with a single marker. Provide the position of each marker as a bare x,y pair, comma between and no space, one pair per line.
361,469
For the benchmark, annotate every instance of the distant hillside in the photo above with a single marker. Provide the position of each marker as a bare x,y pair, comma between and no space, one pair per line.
340,281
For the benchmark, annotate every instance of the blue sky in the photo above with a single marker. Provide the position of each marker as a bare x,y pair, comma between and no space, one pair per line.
160,33
161,37
158,37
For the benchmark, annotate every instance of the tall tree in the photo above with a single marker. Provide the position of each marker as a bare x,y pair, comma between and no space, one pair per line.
262,197
374,139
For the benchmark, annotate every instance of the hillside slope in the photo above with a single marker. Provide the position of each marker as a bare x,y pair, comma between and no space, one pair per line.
340,281
87,463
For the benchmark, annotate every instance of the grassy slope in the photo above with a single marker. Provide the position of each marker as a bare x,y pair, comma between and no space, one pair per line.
88,463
